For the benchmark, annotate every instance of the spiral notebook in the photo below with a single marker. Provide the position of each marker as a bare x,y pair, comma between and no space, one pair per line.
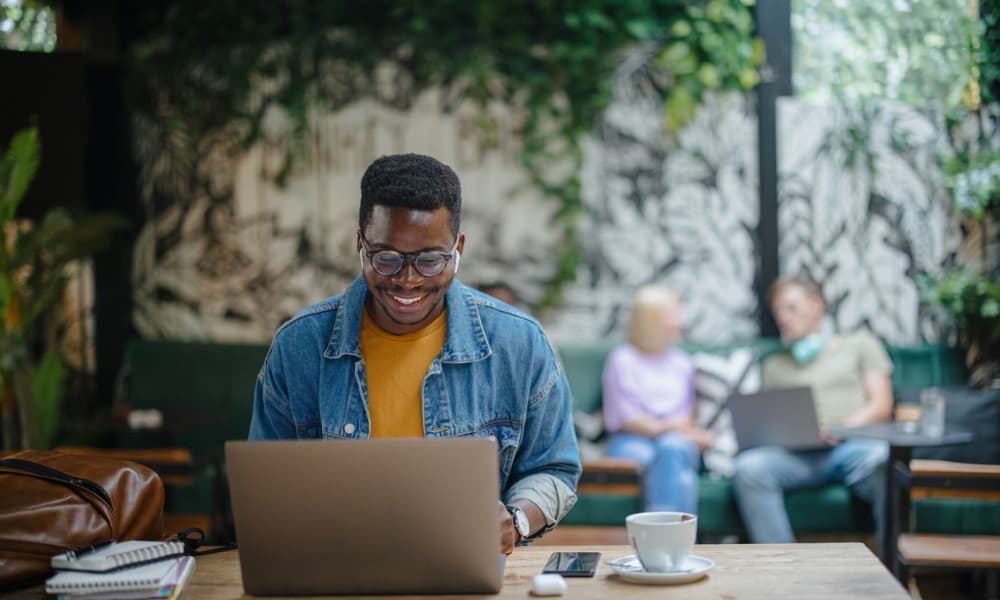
117,555
163,579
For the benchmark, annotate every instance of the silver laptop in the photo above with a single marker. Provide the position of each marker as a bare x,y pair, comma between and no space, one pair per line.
390,516
778,417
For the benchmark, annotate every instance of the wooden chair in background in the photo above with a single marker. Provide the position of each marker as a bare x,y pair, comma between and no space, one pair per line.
945,479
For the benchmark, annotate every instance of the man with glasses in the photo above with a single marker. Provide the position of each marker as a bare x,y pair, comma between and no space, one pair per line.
408,351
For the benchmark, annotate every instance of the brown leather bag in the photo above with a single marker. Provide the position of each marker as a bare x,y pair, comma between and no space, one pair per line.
52,502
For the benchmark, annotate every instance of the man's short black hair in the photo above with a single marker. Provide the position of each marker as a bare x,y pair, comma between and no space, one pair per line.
411,181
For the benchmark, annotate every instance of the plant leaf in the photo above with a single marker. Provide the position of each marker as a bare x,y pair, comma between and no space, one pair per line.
21,164
47,386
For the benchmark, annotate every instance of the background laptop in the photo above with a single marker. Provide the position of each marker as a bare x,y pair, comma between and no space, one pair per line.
364,517
778,417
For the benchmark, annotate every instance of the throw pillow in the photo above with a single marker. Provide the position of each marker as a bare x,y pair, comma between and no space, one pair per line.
716,377
589,433
967,408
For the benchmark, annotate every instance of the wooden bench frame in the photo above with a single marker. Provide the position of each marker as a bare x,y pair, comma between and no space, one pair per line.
938,478
610,476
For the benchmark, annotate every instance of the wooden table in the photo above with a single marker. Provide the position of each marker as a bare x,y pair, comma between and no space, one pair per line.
847,570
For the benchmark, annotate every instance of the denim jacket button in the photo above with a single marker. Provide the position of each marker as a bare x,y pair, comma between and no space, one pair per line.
349,428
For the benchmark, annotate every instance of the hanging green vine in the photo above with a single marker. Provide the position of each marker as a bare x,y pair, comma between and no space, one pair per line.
989,50
970,292
28,25
224,64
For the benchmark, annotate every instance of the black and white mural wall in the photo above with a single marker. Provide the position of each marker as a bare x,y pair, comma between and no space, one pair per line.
236,254
227,255
863,211
677,211
861,205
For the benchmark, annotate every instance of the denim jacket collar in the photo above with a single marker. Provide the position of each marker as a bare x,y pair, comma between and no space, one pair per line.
466,341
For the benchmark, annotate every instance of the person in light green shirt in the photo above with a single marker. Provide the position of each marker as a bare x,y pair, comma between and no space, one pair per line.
849,378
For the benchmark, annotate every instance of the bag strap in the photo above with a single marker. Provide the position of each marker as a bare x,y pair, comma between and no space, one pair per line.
45,472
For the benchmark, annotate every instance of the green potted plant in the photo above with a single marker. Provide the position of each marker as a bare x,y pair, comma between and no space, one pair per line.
34,256
971,292
973,300
974,180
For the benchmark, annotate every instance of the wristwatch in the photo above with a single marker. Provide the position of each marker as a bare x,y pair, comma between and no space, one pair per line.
520,522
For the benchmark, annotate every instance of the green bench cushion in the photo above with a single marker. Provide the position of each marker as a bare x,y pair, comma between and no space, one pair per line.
830,508
204,390
584,367
195,497
925,366
957,516
602,509
717,511
205,393
815,510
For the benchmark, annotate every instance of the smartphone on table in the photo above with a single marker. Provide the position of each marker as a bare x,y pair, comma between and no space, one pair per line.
572,564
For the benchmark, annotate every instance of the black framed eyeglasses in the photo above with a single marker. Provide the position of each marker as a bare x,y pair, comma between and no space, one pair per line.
429,263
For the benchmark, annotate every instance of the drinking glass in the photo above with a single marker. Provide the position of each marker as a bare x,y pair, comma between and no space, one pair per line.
932,412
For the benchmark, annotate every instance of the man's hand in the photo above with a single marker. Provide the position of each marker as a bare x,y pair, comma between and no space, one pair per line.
828,437
508,535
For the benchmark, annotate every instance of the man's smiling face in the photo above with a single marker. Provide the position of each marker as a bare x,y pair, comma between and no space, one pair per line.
407,301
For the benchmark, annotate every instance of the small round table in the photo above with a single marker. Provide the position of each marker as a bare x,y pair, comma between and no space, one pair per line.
901,445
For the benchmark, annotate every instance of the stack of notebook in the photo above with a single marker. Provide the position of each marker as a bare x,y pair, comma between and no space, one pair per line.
122,571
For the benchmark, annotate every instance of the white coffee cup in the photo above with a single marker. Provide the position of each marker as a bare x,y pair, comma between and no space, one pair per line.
662,540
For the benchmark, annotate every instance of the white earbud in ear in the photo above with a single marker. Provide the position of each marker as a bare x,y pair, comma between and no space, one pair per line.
361,255
458,257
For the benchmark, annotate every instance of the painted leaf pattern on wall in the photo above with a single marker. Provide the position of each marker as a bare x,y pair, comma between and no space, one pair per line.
226,256
863,212
680,213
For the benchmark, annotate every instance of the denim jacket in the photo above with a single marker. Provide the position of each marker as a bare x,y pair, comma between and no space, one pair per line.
496,377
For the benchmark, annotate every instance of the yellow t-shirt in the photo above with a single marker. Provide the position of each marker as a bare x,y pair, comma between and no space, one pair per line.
396,366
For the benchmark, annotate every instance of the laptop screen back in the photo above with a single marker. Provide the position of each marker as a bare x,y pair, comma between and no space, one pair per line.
777,417
365,517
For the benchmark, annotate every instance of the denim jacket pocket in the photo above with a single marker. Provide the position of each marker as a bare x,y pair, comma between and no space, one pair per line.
507,435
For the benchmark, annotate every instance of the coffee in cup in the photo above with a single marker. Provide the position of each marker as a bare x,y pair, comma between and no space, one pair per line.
662,540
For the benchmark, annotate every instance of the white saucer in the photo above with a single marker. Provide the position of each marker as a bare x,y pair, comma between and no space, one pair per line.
630,569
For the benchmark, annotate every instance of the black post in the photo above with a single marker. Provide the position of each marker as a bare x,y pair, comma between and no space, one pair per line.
111,187
774,27
109,28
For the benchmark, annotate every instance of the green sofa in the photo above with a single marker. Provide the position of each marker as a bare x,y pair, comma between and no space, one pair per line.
829,509
204,392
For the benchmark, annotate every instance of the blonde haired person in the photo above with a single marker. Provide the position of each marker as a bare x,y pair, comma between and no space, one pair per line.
649,403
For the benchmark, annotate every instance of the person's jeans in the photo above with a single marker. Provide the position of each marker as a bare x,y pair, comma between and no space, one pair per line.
669,465
763,474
